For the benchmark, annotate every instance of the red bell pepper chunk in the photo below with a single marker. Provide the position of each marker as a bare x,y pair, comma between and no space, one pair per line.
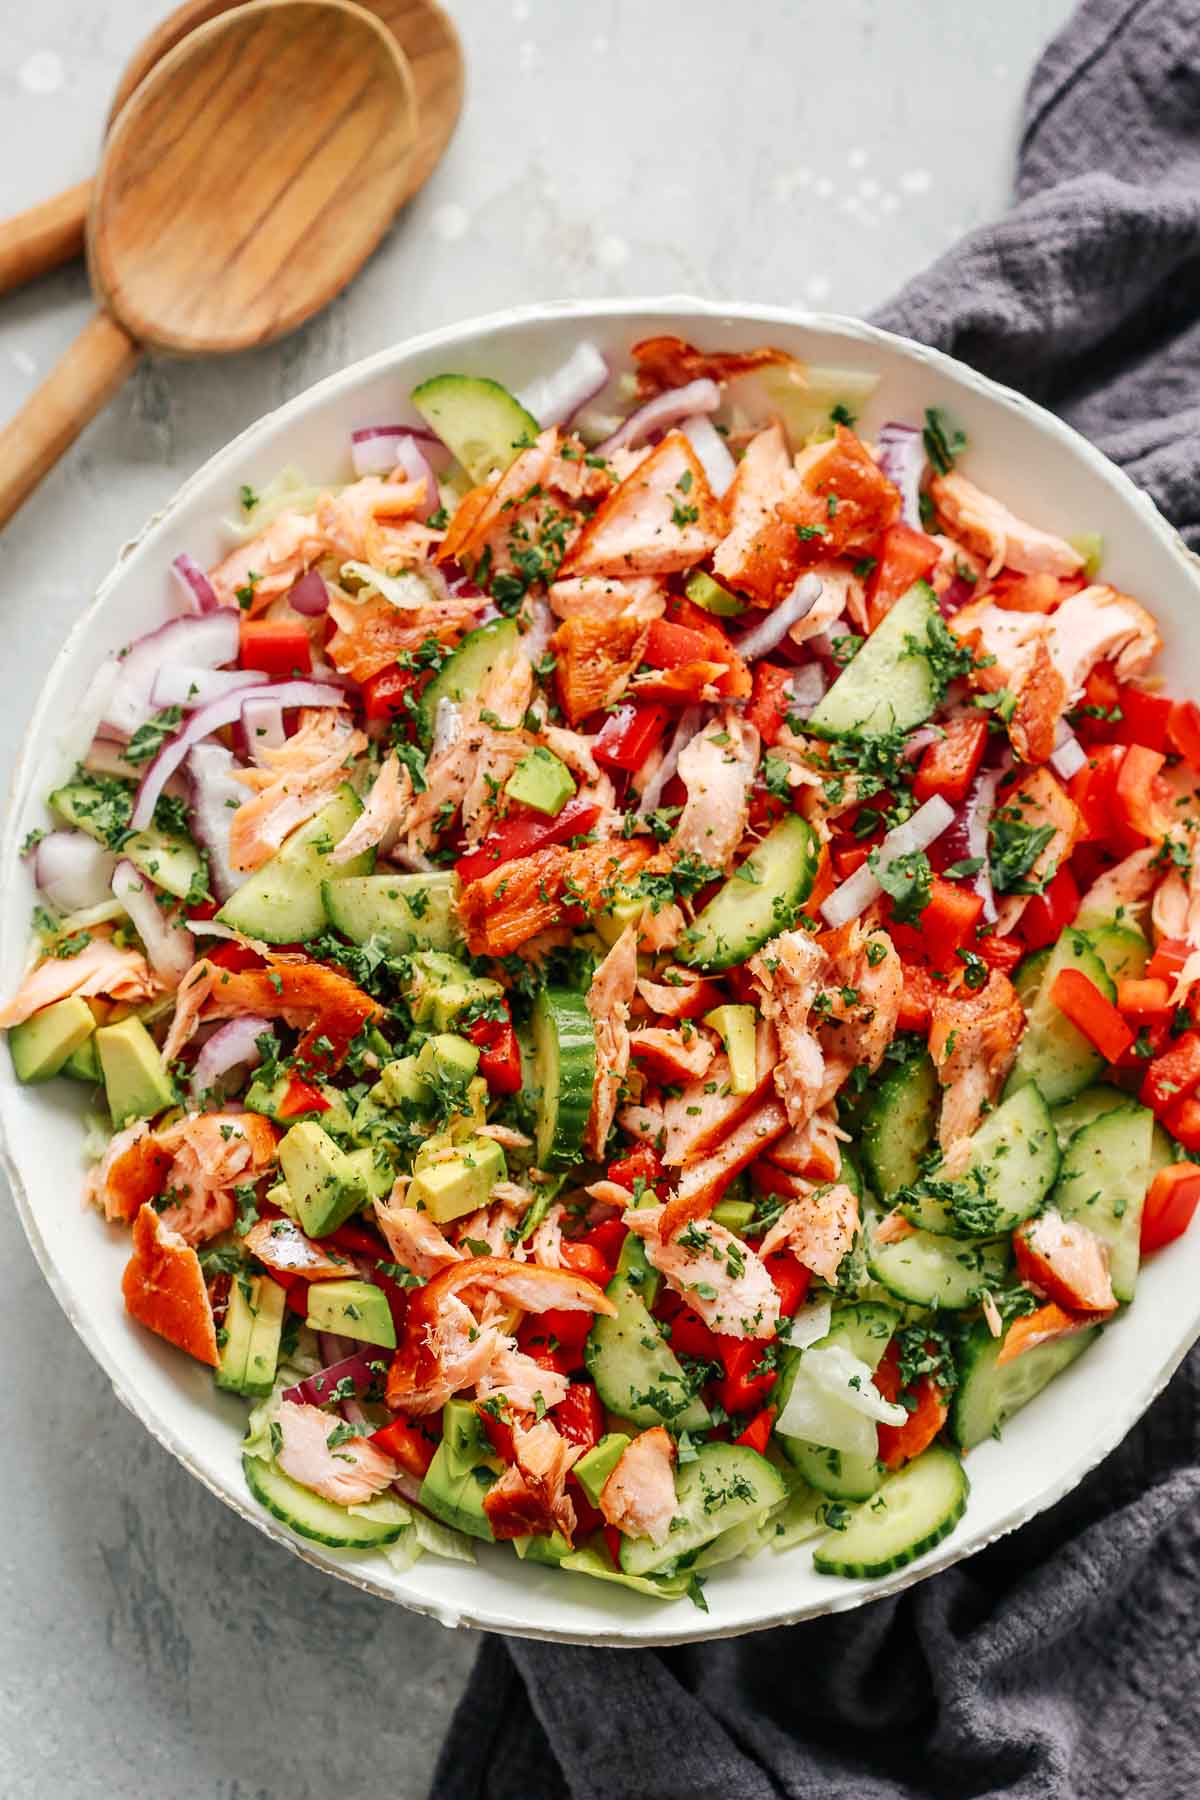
499,1052
944,925
951,765
740,1390
1172,1200
641,1164
847,858
1169,957
1144,998
674,646
499,1433
585,1259
1183,731
757,1434
917,996
692,1337
770,701
358,1241
1182,1120
1102,690
555,1337
406,1444
1003,953
902,555
523,833
1137,810
234,957
612,1543
383,694
1093,789
1145,718
607,1240
278,647
579,1416
1173,1076
789,1277
301,1097
1048,914
901,1443
628,735
1081,1001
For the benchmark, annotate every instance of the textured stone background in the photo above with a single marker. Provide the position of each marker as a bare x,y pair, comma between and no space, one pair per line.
152,1645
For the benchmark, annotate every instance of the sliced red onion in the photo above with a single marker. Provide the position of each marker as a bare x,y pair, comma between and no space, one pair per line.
554,399
374,449
917,742
1068,755
232,1046
211,718
967,838
318,1389
198,590
761,639
712,451
857,892
207,641
953,598
73,870
215,797
262,728
170,948
807,688
183,684
690,722
821,642
663,413
309,596
901,455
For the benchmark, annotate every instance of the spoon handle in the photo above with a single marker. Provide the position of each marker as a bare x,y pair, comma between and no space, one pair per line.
81,381
43,237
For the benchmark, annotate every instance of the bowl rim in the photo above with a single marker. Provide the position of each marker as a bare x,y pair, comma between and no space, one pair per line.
704,311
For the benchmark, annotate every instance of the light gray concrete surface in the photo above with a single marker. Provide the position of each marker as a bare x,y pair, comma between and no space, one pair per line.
151,1645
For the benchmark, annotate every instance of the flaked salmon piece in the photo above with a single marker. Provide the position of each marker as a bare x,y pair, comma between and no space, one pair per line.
819,1230
522,1384
211,1154
413,1238
349,1475
856,1031
893,1228
664,516
269,564
973,1041
644,1123
607,596
608,1001
132,1172
759,553
494,1229
724,1282
576,474
1016,653
485,517
1127,887
163,1288
383,816
661,931
679,993
1100,624
670,362
1040,1327
639,1496
98,969
306,995
373,519
695,1118
788,976
531,1494
1038,801
487,742
595,657
842,499
842,593
670,1056
513,903
372,633
988,527
717,767
452,1354
546,1242
283,1247
296,781
814,1149
957,560
705,1178
1066,1261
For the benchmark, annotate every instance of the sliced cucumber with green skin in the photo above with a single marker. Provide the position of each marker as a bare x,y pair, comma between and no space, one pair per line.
282,902
464,672
1092,1104
760,899
924,1269
865,1330
564,1060
479,421
636,1373
1123,950
724,1486
401,912
899,1125
1105,1174
1029,975
313,1517
913,1511
1011,1167
1052,1053
887,687
172,863
989,1392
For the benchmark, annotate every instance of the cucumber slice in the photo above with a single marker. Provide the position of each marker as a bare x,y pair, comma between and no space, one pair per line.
1011,1168
989,1392
172,863
899,1125
925,1269
636,1373
1105,1173
1052,1052
1123,951
402,912
1093,1103
313,1517
564,1058
463,674
725,1485
887,687
1029,976
865,1329
760,899
915,1509
282,902
477,419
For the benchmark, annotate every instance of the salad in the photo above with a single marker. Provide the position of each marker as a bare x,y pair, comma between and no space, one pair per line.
633,963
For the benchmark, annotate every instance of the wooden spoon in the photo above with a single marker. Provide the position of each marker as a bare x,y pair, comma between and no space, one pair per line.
243,185
52,233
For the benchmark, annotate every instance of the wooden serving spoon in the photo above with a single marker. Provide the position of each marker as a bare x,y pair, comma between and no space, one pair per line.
243,185
45,236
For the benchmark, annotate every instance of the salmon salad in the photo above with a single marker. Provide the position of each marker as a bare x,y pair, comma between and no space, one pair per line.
629,962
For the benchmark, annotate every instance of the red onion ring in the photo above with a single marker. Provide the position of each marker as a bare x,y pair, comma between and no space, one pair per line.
197,589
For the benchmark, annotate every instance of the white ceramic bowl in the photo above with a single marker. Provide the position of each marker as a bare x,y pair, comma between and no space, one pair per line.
1043,470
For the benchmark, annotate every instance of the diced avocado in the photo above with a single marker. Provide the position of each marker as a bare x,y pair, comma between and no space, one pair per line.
703,591
401,1085
457,1500
626,909
541,780
736,1026
83,1064
429,971
324,1184
135,1081
238,1328
43,1043
334,1117
268,1302
597,1464
465,1439
448,1061
353,1309
634,1263
542,1547
450,1002
461,1183
1090,545
280,1196
734,1215
377,1181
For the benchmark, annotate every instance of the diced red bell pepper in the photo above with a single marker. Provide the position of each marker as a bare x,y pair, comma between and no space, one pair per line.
406,1444
770,701
278,647
690,1336
628,735
917,996
950,766
499,1433
642,1163
1183,1122
585,1259
1093,789
673,646
1172,1077
757,1434
1167,962
1144,998
555,1338
1103,691
1081,1001
902,556
301,1097
358,1241
520,834
234,957
499,1052
606,1239
847,858
612,1543
207,909
899,1444
1172,1200
1138,812
1183,731
579,1416
383,694
297,1298
944,925
1002,953
739,1389
790,1279
1145,718
1048,914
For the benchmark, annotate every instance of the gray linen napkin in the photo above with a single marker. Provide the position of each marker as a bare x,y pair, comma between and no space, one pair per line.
1063,1662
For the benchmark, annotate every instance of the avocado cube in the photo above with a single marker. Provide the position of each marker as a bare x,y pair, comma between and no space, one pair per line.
269,1100
280,1197
450,1001
541,780
42,1045
269,1302
461,1183
626,909
457,1500
542,1547
238,1327
737,1026
703,591
734,1215
324,1184
597,1464
447,1060
401,1085
135,1081
377,1181
83,1064
465,1438
430,970
635,1266
353,1309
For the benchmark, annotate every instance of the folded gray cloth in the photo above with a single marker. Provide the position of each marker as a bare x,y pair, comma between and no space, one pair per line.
1063,1662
